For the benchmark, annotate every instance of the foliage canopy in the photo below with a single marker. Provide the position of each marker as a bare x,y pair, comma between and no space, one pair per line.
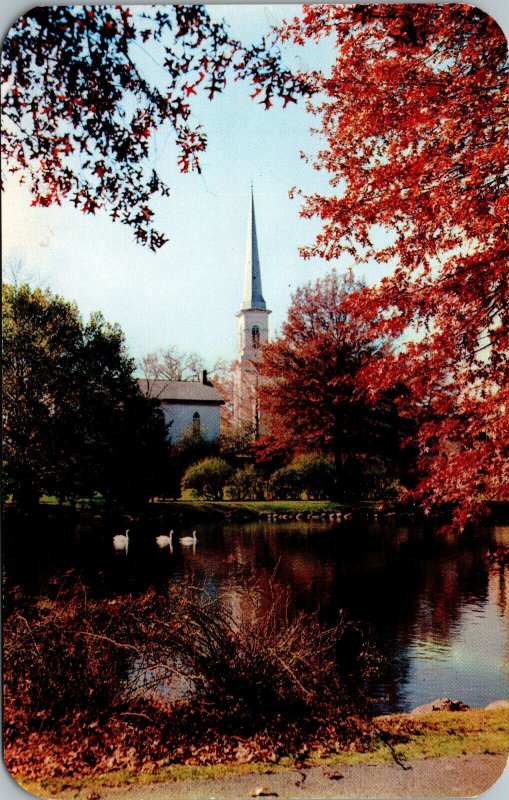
413,118
310,383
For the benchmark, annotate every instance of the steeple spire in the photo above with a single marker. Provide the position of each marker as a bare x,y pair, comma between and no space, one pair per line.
253,330
253,297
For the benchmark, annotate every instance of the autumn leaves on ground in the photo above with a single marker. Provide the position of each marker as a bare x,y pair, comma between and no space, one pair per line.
87,681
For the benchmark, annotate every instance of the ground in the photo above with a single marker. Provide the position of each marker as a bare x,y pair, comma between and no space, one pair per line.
461,776
442,754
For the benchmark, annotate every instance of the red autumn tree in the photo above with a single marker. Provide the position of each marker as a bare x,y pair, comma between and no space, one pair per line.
81,104
310,389
414,123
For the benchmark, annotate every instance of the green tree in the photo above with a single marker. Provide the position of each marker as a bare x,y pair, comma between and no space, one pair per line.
74,419
207,478
125,432
41,342
190,448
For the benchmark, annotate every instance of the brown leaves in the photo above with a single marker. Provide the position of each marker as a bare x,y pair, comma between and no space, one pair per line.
247,705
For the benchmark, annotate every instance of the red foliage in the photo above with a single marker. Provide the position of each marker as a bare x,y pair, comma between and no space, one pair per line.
310,384
414,117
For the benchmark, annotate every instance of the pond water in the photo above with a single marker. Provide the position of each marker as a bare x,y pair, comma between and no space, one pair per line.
434,606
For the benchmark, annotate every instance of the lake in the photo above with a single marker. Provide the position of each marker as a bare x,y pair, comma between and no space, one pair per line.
436,609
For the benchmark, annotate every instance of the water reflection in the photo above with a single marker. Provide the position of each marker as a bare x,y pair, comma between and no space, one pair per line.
434,605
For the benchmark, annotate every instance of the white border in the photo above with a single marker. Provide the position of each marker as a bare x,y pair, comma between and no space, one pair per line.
9,11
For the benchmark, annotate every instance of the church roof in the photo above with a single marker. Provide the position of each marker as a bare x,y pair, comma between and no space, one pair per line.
253,296
185,392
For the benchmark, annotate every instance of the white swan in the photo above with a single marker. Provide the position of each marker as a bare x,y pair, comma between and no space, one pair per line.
188,540
165,541
121,541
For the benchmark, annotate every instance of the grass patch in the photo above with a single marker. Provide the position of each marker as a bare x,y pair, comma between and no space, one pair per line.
193,508
437,735
97,500
161,774
254,507
444,734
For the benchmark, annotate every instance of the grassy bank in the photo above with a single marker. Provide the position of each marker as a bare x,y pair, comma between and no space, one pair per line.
199,506
402,737
188,509
253,508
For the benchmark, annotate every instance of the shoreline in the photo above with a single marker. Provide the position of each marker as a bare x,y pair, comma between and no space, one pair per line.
187,511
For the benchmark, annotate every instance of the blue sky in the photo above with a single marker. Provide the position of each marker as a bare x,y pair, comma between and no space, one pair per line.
186,295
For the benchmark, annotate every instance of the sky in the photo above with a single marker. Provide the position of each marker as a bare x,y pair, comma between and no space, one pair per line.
187,294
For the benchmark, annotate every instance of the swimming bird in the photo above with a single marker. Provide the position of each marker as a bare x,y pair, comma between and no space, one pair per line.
188,540
121,541
165,541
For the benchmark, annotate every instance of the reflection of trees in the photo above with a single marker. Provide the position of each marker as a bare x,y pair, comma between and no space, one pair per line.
405,585
497,587
497,590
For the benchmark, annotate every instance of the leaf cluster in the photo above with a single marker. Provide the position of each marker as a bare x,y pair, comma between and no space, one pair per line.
81,107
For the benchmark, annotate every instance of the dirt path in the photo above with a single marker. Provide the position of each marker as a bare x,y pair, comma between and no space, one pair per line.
462,776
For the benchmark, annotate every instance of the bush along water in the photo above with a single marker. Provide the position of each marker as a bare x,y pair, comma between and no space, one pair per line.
183,677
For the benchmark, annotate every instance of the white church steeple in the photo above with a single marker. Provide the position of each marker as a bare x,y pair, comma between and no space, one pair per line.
253,296
253,332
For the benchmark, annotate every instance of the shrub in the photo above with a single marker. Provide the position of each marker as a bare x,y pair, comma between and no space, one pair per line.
285,484
246,484
207,478
316,474
65,656
265,665
310,473
79,670
74,654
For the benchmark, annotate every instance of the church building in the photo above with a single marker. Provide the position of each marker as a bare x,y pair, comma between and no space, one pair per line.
253,331
188,406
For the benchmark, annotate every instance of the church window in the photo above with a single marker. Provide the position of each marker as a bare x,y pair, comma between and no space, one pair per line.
255,334
196,424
